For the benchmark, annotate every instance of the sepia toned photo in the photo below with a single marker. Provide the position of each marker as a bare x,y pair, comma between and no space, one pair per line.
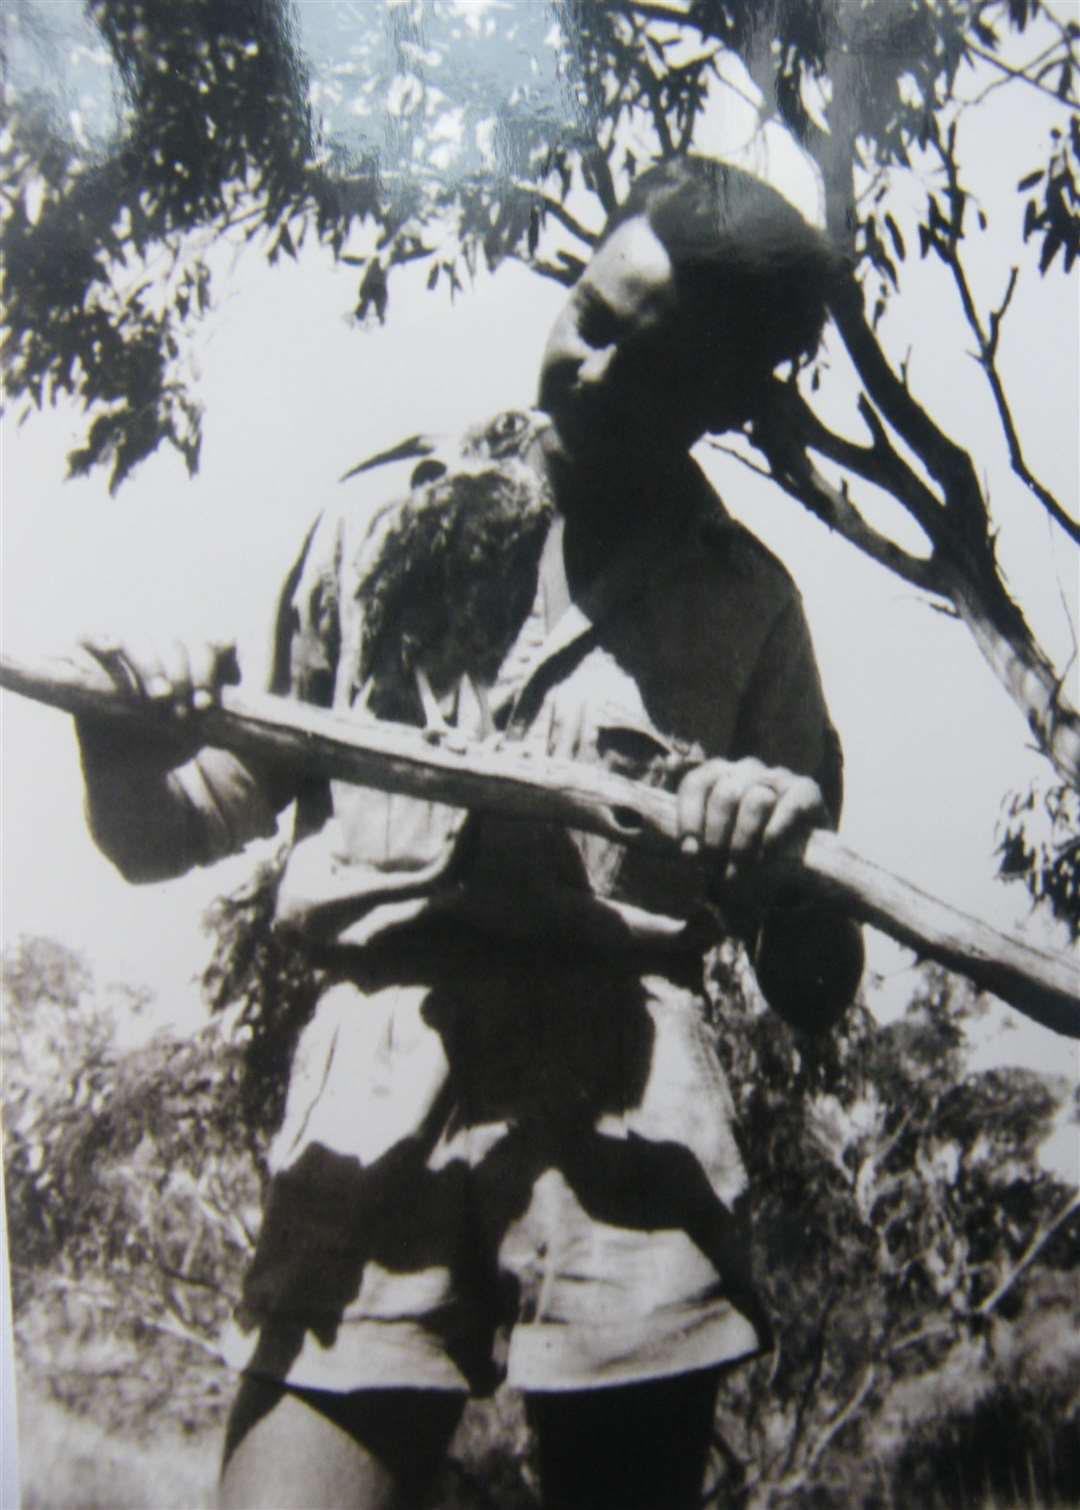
541,754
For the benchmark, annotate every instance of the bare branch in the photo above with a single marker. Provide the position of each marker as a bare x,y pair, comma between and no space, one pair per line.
394,757
559,212
988,338
923,1334
790,466
183,1334
686,135
649,10
1021,76
810,1386
998,315
793,1482
566,275
1004,79
1029,1255
745,461
879,463
949,464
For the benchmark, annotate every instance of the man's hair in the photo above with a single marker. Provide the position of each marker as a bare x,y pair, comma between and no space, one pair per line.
746,261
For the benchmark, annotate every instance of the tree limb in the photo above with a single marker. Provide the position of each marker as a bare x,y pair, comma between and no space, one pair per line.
1021,76
558,211
512,781
962,544
792,468
1040,57
793,1482
879,462
1029,1255
949,464
987,338
566,275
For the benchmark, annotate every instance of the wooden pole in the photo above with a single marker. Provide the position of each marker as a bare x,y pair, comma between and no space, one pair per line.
508,780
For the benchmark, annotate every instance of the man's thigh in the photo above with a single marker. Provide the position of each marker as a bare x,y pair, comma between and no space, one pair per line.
315,1450
638,1447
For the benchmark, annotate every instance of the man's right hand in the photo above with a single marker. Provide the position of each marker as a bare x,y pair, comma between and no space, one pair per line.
175,682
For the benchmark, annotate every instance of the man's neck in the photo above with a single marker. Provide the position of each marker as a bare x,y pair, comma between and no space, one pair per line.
604,501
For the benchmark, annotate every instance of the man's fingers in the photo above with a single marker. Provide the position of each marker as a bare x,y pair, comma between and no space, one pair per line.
705,795
137,669
799,809
756,805
106,651
721,810
173,675
742,810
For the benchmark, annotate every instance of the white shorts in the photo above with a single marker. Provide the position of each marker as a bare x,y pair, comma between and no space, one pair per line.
519,1164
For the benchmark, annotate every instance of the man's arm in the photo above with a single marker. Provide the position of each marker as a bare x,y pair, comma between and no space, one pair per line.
808,958
157,801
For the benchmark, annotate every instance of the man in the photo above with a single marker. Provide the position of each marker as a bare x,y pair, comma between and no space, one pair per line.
508,1144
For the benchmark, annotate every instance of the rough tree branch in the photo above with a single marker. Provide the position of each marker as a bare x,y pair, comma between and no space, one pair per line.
791,467
965,565
505,780
988,337
1029,1255
1021,76
558,212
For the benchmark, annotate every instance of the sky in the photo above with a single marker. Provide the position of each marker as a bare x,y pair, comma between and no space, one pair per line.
295,393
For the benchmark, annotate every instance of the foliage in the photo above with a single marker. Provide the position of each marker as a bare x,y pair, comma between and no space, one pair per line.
130,1202
1039,844
922,1267
459,134
268,986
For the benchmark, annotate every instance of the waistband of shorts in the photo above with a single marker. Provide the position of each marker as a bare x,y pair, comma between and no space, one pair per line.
433,949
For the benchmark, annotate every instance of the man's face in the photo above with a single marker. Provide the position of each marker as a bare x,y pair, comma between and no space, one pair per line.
621,374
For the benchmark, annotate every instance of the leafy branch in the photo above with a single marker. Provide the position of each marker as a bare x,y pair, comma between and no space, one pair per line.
945,236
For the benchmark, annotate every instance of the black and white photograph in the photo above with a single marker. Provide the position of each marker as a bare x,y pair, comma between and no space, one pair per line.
540,671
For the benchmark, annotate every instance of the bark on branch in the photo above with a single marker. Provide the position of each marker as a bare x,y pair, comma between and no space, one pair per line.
1044,986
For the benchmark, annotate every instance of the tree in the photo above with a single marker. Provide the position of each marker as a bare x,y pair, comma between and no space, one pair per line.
919,1260
127,1193
455,134
915,1252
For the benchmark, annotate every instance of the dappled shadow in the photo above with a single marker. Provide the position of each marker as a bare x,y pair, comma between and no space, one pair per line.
545,1070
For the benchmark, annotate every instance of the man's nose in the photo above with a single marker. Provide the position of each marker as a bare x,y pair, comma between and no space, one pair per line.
595,367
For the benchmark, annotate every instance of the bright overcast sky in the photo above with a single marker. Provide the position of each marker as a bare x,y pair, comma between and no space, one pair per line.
295,394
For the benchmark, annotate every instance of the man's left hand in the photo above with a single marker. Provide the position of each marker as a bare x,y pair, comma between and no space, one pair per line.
744,813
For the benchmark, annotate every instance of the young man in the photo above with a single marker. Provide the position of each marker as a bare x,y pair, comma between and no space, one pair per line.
508,1144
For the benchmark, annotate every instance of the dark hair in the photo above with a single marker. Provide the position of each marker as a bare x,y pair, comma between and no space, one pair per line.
749,264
